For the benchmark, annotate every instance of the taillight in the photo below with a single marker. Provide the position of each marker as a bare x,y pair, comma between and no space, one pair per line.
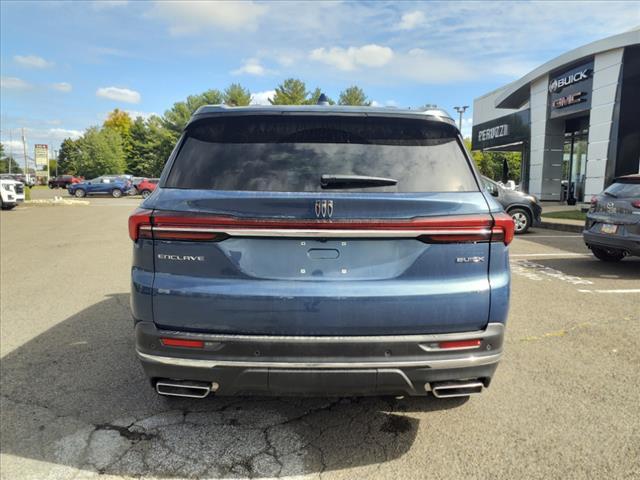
197,227
180,342
635,203
139,219
503,228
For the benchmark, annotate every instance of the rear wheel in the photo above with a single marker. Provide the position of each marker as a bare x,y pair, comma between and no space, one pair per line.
80,193
145,193
608,254
521,219
116,193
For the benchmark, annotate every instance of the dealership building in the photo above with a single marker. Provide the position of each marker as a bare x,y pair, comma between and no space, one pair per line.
575,119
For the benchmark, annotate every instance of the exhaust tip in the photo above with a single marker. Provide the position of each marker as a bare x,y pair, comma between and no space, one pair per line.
457,389
177,388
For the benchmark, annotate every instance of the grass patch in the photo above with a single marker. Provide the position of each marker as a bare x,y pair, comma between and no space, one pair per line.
567,215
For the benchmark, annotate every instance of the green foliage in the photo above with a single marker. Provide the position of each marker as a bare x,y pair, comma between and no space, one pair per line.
5,162
290,92
100,152
68,157
236,95
490,164
177,117
353,96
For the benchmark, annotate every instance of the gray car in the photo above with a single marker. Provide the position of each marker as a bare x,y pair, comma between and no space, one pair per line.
612,227
523,207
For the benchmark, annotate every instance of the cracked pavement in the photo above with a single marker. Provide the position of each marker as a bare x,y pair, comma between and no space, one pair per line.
75,403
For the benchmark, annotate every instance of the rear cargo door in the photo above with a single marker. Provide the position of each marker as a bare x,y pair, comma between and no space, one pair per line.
320,226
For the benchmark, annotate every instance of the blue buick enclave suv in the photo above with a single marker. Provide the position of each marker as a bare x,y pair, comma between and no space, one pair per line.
320,250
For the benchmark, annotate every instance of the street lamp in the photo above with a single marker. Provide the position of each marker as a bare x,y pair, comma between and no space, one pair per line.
461,110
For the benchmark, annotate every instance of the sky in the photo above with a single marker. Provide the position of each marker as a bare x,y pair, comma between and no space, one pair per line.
65,65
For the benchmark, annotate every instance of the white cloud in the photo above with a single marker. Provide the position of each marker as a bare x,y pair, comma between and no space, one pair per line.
119,94
262,98
285,60
59,134
350,58
14,83
424,66
62,87
250,67
32,61
411,20
12,146
191,17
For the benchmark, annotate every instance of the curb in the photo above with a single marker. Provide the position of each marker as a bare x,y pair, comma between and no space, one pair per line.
563,227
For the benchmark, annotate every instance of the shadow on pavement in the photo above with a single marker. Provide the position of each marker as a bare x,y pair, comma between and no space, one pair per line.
75,397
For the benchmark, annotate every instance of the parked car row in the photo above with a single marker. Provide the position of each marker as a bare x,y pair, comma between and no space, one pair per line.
28,180
114,185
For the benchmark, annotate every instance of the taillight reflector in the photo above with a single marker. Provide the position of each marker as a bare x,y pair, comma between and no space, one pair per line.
635,203
140,217
460,344
180,342
503,228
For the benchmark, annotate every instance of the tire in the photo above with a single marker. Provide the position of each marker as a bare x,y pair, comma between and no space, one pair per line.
116,193
3,206
521,219
608,254
80,193
145,193
51,186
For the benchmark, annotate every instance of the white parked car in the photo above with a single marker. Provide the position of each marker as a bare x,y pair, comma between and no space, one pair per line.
11,193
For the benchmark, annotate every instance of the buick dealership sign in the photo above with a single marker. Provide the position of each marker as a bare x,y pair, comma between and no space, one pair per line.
570,90
558,84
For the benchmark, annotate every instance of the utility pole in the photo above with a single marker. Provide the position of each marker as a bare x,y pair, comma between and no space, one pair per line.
55,154
461,110
10,150
24,150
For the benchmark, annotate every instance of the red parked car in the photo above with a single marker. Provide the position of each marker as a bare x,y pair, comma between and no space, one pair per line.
62,181
147,186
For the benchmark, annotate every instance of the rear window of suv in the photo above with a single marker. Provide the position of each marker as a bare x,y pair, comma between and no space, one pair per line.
290,154
624,189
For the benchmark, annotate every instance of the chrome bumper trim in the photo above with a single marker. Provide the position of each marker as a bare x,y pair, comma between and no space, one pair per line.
439,364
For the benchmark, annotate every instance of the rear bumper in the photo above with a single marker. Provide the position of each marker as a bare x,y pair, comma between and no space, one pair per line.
376,365
629,243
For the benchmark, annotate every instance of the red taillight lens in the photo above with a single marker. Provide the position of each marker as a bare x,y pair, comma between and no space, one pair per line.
180,342
139,218
635,203
460,344
503,228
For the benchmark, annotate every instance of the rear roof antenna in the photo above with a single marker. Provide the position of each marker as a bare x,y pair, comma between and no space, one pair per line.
323,99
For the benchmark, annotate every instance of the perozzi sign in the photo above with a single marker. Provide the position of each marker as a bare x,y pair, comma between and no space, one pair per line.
494,132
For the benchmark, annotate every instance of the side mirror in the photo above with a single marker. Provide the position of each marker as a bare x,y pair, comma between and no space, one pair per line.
491,188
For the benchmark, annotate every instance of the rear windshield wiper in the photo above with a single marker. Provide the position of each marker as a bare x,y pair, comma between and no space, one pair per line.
354,181
611,194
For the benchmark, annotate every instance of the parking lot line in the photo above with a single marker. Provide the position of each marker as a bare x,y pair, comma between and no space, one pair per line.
567,254
620,290
552,236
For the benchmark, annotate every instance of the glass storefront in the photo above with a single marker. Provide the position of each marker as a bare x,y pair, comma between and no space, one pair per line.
574,160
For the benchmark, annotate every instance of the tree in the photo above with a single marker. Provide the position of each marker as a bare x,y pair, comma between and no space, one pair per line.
119,121
290,92
236,95
491,164
6,162
176,118
69,157
353,96
100,152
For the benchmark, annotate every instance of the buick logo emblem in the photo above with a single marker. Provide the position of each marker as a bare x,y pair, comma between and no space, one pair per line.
553,86
324,208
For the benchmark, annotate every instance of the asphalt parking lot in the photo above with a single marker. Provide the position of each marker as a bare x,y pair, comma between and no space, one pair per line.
565,401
